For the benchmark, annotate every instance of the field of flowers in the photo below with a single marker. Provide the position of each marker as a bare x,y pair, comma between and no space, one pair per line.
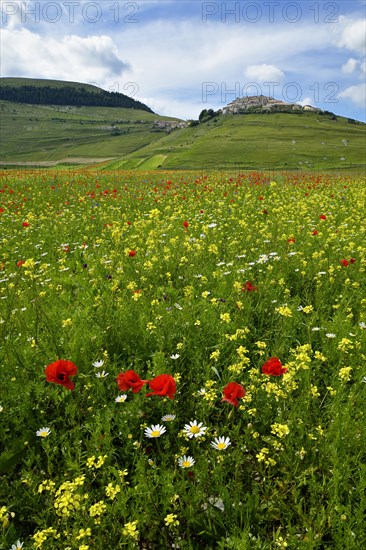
183,361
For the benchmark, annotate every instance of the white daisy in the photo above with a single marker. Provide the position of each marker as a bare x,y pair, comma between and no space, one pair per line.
155,431
121,398
330,335
102,374
220,443
17,546
175,356
43,432
186,461
193,429
168,418
98,364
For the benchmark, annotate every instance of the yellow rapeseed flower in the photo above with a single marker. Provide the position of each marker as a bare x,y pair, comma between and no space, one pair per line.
345,374
285,311
130,530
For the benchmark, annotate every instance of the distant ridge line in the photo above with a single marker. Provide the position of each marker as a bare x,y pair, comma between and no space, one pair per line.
57,92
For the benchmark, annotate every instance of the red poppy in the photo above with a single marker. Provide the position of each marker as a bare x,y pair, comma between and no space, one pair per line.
344,262
20,263
59,373
273,367
186,224
132,253
352,260
323,217
315,232
232,392
25,224
130,380
291,240
248,287
164,384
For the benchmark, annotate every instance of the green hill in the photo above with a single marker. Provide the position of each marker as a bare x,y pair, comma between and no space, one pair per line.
53,92
46,134
44,82
305,140
261,134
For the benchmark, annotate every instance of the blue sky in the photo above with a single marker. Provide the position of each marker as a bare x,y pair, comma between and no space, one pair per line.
181,56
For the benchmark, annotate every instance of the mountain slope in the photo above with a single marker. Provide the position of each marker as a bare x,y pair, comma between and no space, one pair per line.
250,133
45,132
263,141
51,92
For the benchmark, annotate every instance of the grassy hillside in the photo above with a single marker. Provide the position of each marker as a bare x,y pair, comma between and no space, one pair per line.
276,141
44,132
43,83
128,138
49,92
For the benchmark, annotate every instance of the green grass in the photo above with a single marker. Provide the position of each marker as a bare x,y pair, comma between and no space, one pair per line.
306,141
43,132
276,141
149,271
153,162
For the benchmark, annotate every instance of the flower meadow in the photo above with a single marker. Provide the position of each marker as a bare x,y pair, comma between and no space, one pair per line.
183,360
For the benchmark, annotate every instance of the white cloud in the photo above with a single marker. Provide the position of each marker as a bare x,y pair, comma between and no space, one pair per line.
353,35
264,73
357,94
306,101
73,58
190,55
350,66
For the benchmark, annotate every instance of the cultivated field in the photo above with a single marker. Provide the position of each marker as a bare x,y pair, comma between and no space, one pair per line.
183,361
